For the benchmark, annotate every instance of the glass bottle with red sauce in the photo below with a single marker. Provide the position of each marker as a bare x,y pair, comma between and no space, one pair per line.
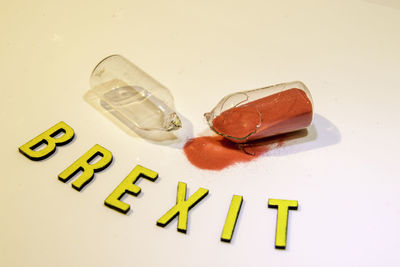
250,115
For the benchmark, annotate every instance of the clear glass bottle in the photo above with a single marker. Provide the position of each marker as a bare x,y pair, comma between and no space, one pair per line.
132,96
255,114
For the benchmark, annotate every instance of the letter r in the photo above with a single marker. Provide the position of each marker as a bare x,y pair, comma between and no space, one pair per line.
83,164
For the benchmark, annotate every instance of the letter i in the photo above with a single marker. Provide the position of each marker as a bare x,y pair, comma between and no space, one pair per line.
231,218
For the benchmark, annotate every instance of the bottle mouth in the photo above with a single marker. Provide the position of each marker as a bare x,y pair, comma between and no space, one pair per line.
208,117
172,122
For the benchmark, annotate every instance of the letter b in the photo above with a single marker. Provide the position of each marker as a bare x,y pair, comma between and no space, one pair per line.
49,139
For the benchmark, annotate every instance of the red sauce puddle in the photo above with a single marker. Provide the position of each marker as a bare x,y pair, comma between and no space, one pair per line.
217,153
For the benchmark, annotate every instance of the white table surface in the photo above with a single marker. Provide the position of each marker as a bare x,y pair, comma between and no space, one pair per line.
344,174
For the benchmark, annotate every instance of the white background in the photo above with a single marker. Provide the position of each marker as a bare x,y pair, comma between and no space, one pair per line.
344,173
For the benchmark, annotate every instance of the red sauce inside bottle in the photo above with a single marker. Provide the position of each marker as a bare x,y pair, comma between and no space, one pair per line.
282,112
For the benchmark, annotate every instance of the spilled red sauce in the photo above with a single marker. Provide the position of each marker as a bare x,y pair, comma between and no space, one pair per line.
217,153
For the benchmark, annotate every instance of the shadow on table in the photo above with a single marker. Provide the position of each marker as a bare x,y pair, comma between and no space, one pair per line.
320,134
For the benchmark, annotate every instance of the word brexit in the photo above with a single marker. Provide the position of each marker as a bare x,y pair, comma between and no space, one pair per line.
60,134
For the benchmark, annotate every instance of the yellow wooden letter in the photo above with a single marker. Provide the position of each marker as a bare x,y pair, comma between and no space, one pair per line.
182,207
49,139
128,186
231,218
283,207
88,170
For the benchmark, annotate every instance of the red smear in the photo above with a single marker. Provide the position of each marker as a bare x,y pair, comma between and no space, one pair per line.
217,153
